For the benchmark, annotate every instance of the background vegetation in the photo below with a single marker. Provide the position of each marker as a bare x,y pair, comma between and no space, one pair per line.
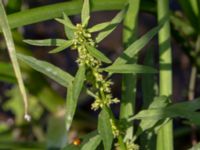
141,37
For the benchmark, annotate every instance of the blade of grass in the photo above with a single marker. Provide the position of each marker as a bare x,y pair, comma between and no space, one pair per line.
48,12
12,53
165,134
127,106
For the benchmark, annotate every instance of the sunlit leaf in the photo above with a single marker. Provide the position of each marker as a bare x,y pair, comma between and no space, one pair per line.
73,93
112,25
53,72
46,42
105,129
99,27
97,54
62,47
130,68
12,53
85,14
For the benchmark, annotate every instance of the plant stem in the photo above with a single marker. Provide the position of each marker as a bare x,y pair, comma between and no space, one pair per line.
129,81
191,92
165,134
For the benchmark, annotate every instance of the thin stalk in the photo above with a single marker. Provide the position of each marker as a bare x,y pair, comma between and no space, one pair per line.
129,81
165,134
191,92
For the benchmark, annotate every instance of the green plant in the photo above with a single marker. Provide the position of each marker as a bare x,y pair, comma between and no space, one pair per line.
94,74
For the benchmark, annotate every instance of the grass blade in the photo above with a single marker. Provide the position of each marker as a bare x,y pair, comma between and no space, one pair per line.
12,53
46,42
130,68
53,72
97,54
48,12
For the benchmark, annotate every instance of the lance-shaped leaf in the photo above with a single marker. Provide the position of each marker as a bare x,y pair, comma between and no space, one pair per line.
62,47
73,93
134,48
68,31
99,27
112,25
92,143
105,129
129,68
66,22
53,72
97,54
85,14
46,42
12,53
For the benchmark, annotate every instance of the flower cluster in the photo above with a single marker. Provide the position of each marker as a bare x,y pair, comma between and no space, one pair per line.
102,87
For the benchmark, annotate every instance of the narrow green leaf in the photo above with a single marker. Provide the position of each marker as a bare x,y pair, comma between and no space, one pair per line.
68,31
105,129
12,53
53,72
73,93
99,27
92,143
62,47
85,14
66,23
46,42
112,25
97,54
135,47
129,68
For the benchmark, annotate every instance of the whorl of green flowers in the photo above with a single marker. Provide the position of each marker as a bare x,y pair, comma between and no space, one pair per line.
103,96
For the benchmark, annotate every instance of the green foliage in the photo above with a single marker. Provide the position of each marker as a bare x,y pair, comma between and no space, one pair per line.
95,78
